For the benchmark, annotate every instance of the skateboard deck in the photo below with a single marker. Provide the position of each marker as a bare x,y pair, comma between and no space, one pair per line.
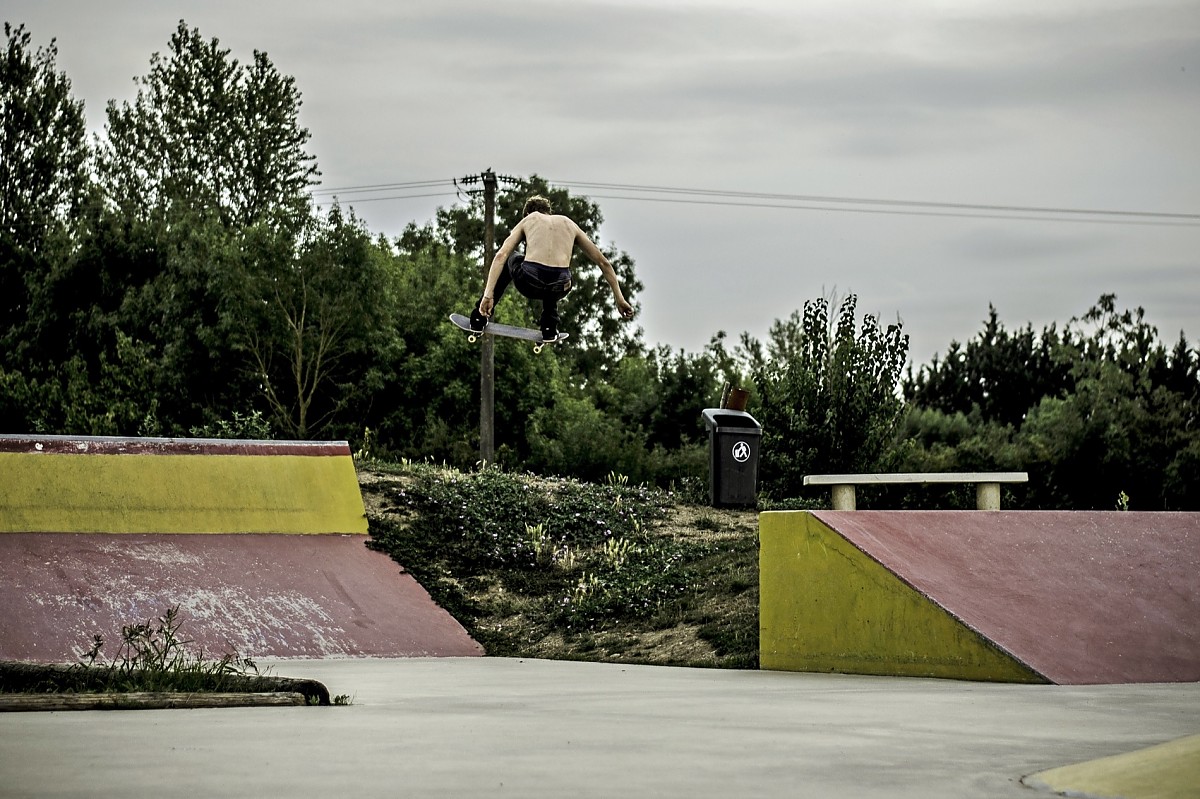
508,331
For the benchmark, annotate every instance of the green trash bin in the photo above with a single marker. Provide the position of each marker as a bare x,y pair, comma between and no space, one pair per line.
734,439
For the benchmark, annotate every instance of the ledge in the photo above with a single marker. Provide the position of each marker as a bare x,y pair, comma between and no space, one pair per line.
917,477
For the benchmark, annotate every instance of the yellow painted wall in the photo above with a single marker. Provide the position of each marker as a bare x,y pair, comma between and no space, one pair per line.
42,492
826,606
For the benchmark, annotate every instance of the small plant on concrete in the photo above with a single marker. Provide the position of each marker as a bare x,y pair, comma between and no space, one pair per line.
153,656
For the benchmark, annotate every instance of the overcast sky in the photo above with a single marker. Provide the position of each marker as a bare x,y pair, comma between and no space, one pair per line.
1071,105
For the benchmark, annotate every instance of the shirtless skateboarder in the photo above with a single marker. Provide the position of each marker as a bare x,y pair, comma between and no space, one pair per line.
543,272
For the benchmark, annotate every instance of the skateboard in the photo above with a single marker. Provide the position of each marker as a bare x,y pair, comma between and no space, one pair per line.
508,331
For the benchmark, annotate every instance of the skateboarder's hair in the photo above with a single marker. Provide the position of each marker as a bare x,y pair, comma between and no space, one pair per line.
537,203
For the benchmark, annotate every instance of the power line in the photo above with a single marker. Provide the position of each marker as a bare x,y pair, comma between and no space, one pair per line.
394,197
808,198
415,184
896,212
802,202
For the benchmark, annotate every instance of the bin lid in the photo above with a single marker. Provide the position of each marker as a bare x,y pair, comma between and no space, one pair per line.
724,419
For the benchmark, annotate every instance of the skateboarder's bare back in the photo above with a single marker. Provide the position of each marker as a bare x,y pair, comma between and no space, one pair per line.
549,239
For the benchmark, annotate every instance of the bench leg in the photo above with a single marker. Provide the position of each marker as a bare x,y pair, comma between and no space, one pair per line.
843,497
987,496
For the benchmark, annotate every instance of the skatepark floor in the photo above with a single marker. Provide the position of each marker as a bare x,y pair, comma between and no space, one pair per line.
460,727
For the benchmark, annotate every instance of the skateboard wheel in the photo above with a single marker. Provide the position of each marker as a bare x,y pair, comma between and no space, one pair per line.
537,349
472,339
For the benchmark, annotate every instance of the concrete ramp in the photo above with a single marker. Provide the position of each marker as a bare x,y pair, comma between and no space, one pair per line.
261,546
257,595
68,484
1061,597
1166,771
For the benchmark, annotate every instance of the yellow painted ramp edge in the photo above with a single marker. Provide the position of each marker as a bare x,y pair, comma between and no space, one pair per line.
204,493
1166,771
826,606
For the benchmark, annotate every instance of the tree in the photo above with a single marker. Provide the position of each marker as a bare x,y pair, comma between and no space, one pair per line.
1100,410
204,166
1126,423
999,374
43,183
829,399
205,133
315,323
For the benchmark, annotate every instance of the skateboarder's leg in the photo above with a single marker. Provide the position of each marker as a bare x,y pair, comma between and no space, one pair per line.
478,320
550,319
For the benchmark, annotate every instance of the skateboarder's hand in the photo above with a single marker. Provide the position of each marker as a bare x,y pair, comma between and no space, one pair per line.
485,307
625,309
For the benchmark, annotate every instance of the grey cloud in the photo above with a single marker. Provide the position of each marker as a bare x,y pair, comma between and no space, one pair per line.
1008,244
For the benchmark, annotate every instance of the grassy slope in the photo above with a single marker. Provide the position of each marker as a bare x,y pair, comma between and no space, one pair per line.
534,567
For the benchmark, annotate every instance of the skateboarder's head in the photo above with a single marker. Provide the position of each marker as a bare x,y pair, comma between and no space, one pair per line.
537,203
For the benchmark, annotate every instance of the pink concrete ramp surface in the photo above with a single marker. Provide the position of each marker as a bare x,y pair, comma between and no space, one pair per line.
1079,597
258,595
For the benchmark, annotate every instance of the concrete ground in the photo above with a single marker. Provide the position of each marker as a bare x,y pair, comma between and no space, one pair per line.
461,727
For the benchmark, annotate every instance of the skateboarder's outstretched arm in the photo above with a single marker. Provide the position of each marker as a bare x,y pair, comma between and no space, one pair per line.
593,252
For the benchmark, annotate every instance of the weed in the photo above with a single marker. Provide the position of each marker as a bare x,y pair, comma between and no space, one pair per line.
252,425
153,656
540,543
340,699
614,479
615,552
367,451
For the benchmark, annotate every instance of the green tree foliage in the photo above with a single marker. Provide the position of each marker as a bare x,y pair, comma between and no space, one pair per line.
198,172
193,287
43,148
1107,409
577,411
997,373
205,132
315,321
202,214
432,409
828,398
548,413
43,184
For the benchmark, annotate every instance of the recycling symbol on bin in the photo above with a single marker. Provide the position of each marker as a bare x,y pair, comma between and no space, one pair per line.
741,452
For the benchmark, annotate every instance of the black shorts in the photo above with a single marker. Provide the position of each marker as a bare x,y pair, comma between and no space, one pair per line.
538,281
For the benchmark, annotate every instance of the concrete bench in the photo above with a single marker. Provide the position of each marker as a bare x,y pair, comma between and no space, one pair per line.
987,484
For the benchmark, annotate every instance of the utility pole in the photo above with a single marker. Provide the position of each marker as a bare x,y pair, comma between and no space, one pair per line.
487,359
